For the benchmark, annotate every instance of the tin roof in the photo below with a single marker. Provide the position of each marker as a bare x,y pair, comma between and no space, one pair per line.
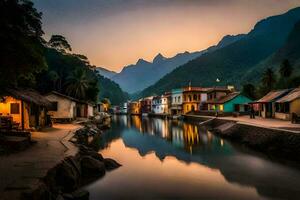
294,94
226,98
273,96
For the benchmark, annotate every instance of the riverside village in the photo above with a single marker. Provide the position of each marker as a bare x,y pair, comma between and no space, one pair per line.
222,122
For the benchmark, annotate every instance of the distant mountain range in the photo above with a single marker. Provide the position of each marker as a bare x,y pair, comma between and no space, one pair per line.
271,40
136,77
106,73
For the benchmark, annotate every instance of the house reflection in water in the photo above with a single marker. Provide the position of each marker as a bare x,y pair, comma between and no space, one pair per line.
183,135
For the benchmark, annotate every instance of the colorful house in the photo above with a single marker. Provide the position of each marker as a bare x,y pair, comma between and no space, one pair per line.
193,98
146,105
232,102
135,108
176,101
23,109
288,105
160,104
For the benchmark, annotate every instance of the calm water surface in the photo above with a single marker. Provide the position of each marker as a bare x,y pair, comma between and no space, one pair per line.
176,160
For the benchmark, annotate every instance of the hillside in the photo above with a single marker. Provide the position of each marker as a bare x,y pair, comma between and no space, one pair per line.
111,90
290,50
105,72
231,62
137,77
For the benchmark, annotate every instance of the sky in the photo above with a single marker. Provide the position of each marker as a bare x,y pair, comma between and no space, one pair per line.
116,33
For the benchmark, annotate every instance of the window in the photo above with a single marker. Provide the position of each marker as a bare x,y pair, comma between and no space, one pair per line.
14,108
178,99
195,97
54,106
221,107
190,98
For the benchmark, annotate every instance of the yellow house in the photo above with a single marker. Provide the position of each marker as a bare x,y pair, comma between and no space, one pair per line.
193,98
288,105
26,109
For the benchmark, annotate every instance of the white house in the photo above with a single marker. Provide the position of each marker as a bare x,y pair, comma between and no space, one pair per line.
160,104
176,101
63,107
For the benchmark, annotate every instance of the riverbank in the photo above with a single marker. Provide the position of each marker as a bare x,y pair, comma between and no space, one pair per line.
22,171
278,142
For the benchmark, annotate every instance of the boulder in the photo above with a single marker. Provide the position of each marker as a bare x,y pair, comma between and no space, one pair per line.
91,167
111,164
67,177
77,195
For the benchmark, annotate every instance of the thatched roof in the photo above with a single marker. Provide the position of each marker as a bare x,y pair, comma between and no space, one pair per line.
28,95
293,95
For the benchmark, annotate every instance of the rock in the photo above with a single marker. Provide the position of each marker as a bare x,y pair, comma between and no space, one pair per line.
77,195
91,167
40,192
67,177
111,164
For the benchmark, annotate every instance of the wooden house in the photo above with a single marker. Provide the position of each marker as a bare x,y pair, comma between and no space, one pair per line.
266,105
146,105
26,109
232,102
288,105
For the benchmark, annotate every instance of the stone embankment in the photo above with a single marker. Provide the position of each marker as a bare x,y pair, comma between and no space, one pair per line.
274,142
63,182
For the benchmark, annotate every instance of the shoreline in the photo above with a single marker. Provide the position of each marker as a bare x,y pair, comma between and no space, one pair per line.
276,143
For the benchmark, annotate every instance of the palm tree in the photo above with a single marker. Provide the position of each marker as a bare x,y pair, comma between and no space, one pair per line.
285,69
268,79
77,84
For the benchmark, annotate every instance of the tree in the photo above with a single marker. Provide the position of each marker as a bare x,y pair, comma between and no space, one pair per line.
286,69
249,91
268,80
60,43
77,84
22,50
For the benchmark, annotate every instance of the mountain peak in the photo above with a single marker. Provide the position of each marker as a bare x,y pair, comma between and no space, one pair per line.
158,58
141,61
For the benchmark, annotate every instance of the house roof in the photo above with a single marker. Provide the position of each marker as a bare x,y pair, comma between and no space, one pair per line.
218,89
273,96
63,95
29,95
294,94
226,98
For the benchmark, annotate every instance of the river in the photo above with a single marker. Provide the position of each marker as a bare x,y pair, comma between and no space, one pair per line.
164,159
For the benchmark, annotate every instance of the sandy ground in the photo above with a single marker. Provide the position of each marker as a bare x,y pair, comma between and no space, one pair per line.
22,171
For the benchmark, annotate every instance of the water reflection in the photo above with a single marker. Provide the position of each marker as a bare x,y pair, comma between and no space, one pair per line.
171,153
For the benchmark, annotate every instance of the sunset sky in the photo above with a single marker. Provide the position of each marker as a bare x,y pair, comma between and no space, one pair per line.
115,33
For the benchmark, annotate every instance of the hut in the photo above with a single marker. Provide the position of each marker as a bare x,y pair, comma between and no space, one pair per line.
63,107
25,109
288,105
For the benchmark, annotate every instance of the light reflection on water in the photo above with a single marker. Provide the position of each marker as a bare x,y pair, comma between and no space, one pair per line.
166,159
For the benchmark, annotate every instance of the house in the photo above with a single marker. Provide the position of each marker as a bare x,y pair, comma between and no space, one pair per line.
99,107
193,98
64,108
124,108
160,104
84,109
25,109
176,101
288,105
266,105
232,102
135,108
146,105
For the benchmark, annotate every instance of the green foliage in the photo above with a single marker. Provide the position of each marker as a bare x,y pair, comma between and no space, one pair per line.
22,54
111,91
60,43
286,69
77,84
249,91
268,79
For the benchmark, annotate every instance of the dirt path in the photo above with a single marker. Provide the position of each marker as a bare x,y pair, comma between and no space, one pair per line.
21,171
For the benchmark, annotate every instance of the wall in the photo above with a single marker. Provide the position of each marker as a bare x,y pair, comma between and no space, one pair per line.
240,99
295,106
65,107
90,111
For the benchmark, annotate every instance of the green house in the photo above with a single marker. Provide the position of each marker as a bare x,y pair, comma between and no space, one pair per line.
233,102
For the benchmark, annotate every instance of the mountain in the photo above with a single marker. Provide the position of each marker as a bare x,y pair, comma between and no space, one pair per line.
232,62
111,90
290,51
106,73
137,77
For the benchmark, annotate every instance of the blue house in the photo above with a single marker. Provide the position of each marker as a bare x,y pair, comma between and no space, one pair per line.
232,102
